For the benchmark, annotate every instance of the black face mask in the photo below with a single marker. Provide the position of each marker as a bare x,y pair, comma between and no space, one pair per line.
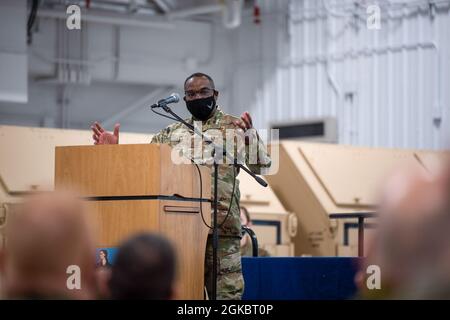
202,108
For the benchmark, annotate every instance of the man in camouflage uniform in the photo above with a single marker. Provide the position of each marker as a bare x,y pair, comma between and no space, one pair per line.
200,98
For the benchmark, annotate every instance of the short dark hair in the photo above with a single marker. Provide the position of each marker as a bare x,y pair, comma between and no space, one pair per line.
144,269
201,75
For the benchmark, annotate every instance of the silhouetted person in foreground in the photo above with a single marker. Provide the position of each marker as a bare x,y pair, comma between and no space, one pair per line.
44,236
144,269
412,244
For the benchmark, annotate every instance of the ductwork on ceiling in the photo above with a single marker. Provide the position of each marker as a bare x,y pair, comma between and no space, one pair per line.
151,12
74,64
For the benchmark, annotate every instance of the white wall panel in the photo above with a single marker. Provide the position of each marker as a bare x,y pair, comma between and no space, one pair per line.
13,52
386,87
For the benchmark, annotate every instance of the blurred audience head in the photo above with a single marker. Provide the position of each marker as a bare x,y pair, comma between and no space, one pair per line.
245,217
46,235
144,268
412,243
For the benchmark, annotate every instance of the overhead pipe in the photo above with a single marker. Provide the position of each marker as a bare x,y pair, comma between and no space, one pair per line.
185,13
114,19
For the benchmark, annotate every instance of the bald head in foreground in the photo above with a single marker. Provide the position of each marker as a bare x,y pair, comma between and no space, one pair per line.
412,244
46,235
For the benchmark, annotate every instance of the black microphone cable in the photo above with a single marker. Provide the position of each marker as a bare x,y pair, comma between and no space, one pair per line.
233,195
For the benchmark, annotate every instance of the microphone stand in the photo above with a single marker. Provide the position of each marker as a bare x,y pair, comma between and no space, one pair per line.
263,183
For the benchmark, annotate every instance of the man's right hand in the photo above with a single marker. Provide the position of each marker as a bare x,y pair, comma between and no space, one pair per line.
103,137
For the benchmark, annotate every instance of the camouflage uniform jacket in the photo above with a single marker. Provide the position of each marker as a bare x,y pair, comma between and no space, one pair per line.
217,124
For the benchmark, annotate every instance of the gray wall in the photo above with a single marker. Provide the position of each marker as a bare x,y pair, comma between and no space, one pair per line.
385,87
76,77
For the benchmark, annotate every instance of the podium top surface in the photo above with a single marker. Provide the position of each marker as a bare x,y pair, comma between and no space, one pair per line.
128,170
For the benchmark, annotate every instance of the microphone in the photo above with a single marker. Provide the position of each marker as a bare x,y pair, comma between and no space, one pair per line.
173,98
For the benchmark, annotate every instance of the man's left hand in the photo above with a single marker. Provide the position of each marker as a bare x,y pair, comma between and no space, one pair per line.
245,123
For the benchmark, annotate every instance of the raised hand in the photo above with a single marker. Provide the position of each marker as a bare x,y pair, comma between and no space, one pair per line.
245,123
101,136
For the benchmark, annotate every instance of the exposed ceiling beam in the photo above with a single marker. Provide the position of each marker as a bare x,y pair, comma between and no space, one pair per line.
162,5
111,18
184,13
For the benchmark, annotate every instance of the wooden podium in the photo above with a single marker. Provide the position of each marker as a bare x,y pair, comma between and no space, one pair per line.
132,188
